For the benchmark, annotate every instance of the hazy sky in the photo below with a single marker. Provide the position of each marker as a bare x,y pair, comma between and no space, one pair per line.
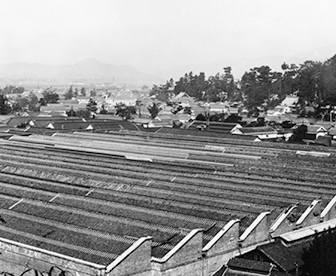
166,34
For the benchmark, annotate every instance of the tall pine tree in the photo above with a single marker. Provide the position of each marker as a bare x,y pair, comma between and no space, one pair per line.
320,258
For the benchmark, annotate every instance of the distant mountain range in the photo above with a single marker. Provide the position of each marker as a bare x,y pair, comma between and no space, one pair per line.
89,70
92,71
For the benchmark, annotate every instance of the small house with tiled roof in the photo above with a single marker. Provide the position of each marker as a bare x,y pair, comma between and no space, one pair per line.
273,256
332,132
240,266
183,98
290,101
326,124
313,131
218,127
163,120
65,125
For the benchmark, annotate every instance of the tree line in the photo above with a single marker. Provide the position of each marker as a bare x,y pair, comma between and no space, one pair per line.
32,103
314,82
215,88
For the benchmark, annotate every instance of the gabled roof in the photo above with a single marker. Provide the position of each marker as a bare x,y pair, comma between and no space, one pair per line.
221,271
286,258
5,135
332,131
106,125
199,133
68,125
233,272
180,95
327,125
222,127
255,130
141,121
62,107
53,114
249,265
16,121
127,125
164,117
40,123
290,100
5,118
313,129
45,121
167,122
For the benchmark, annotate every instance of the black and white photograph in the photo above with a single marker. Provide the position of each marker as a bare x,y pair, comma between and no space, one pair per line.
167,138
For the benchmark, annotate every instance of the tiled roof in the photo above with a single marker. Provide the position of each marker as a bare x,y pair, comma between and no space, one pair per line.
180,96
221,271
69,125
92,195
231,272
18,120
290,100
327,125
5,135
219,127
62,107
284,257
257,130
46,121
332,131
106,125
5,118
199,133
314,129
141,120
249,265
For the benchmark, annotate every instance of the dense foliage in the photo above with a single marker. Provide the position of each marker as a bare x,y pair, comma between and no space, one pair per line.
49,96
154,110
69,94
313,81
4,106
319,258
28,103
10,89
92,106
125,111
215,88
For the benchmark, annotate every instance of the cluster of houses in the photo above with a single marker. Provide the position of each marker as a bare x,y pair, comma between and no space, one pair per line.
80,103
180,112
